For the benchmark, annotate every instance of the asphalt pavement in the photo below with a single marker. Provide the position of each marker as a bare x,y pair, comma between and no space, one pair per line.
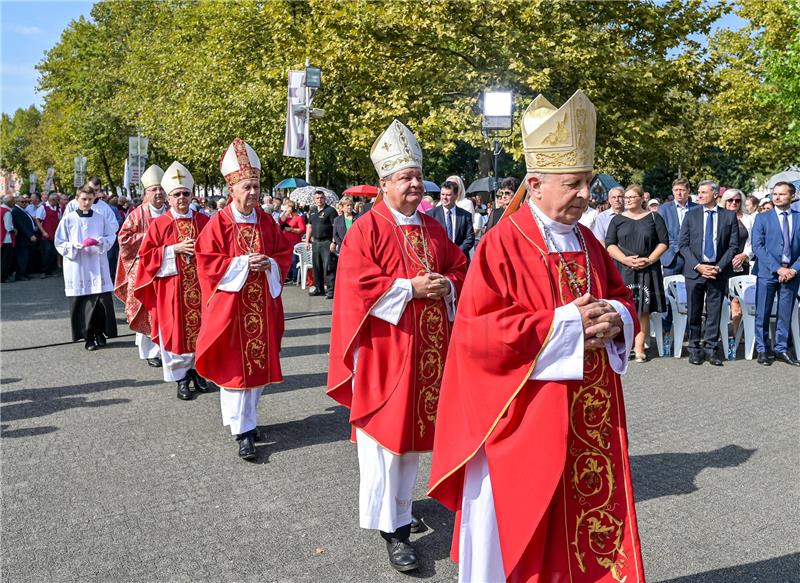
107,476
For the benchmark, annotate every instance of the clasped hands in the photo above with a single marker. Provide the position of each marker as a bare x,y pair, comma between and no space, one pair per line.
636,262
600,321
259,262
431,286
785,274
708,271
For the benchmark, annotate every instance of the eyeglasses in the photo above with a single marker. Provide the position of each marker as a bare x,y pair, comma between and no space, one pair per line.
632,197
180,194
735,200
505,193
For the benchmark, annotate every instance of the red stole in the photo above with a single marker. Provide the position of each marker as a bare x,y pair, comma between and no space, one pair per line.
173,301
394,397
240,337
557,451
130,238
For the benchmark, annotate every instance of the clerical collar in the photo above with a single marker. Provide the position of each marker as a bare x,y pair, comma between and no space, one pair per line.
240,218
155,211
85,214
402,219
178,215
551,224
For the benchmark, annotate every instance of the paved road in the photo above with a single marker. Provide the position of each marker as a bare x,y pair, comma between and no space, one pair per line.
106,476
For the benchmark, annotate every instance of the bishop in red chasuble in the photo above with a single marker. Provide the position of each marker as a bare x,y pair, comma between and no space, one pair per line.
167,282
130,237
397,281
243,260
531,448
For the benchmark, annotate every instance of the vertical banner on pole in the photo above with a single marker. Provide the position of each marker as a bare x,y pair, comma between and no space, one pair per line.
294,144
80,171
33,179
50,181
137,155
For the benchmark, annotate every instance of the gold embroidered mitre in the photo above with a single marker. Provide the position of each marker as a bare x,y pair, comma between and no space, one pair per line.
559,141
177,176
395,149
152,177
239,162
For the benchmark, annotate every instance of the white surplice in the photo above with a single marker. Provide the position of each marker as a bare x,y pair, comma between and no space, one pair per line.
386,483
561,359
239,407
85,268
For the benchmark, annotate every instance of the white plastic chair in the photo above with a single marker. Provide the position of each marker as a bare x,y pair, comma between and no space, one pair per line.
743,288
675,290
657,331
304,265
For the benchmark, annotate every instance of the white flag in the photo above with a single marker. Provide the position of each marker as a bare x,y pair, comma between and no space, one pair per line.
294,143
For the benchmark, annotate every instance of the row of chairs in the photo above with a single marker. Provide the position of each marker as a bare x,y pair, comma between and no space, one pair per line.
742,287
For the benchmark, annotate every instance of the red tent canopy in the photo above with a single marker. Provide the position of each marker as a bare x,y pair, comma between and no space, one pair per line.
361,190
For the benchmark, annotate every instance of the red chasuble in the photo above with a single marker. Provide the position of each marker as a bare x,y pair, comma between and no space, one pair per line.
130,238
395,394
240,339
174,301
557,451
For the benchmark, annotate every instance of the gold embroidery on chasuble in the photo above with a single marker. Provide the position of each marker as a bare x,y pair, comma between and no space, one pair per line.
431,339
190,287
254,306
595,515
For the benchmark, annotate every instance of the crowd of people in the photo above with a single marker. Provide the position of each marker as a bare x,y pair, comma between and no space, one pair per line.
544,298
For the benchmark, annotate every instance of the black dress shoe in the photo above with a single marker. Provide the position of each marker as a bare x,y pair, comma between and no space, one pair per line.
763,359
696,358
100,338
401,555
247,447
155,362
200,384
315,294
787,358
184,392
714,360
90,344
416,524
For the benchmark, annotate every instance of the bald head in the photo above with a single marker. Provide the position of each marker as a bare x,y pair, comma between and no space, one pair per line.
8,200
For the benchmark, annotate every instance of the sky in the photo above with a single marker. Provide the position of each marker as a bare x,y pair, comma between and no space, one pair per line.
30,28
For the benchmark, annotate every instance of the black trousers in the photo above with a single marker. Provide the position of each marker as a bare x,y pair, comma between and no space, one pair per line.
22,254
324,267
113,254
91,314
7,261
708,292
49,254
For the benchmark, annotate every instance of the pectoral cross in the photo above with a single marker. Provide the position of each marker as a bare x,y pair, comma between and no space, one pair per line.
178,176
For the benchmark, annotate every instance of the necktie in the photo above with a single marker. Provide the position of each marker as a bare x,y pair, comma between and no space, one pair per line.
708,246
785,229
448,224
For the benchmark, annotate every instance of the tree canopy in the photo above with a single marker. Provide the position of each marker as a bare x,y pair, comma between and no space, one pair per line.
192,75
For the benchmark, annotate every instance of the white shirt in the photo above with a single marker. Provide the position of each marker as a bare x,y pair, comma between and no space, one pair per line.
588,217
784,258
8,225
681,210
32,209
85,268
715,214
452,212
561,359
600,228
99,206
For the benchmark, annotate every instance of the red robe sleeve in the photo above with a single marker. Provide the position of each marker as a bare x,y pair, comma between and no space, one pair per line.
151,255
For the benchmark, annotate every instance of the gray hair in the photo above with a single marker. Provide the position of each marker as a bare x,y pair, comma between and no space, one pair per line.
613,188
730,193
8,199
714,186
540,176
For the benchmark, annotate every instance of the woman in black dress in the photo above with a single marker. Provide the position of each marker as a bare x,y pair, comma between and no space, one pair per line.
635,240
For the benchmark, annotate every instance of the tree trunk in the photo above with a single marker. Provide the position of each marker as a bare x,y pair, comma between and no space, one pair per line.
112,189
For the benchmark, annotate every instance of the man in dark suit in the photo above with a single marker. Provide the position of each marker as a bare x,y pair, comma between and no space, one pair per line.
26,236
456,221
673,213
776,245
708,241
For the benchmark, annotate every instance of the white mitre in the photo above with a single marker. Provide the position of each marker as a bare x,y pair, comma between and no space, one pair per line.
396,148
239,162
559,141
152,177
177,176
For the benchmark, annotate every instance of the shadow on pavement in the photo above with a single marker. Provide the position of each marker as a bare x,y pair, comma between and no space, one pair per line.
673,474
26,431
288,351
778,570
313,430
52,393
294,382
306,332
433,544
9,380
30,410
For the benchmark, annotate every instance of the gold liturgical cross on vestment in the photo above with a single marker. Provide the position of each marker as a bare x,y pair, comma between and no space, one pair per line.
178,176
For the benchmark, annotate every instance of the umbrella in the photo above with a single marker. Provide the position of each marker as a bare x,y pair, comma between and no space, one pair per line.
488,184
362,190
789,175
430,186
304,196
291,183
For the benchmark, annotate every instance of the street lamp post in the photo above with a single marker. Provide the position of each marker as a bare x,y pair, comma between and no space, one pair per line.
498,111
312,81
